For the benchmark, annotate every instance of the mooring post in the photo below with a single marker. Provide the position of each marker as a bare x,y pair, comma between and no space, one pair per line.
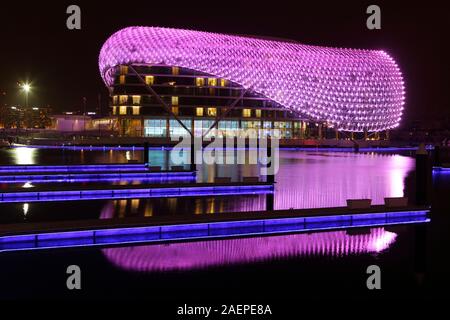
421,175
437,156
270,202
146,155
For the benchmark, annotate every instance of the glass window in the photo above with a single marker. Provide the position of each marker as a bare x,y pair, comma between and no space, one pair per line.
175,71
123,69
122,79
201,126
114,110
123,110
155,128
123,99
136,99
136,110
176,130
258,113
149,80
175,110
114,99
212,112
200,82
199,111
212,82
246,113
223,82
175,100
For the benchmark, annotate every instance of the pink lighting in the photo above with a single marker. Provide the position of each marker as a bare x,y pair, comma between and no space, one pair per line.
349,89
204,254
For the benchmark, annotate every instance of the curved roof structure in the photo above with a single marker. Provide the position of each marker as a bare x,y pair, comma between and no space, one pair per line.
350,89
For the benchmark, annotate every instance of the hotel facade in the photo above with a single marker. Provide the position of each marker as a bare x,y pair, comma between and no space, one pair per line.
165,83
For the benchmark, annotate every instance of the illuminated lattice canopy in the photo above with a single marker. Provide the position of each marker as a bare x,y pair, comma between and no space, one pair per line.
349,89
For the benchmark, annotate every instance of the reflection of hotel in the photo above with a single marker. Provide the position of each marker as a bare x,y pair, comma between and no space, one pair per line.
164,81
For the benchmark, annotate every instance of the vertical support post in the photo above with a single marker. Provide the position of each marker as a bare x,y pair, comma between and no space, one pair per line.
421,175
146,158
437,156
193,151
271,174
270,203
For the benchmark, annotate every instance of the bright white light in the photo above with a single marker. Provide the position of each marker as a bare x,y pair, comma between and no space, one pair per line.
27,185
26,87
24,155
26,206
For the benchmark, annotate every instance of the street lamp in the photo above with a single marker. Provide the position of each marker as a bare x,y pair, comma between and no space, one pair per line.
26,87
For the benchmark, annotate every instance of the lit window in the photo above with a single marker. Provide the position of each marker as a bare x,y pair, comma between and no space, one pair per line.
114,110
149,80
212,82
212,112
223,82
200,82
199,112
136,99
175,71
246,113
175,110
123,110
123,99
136,110
175,101
114,99
123,69
122,79
258,113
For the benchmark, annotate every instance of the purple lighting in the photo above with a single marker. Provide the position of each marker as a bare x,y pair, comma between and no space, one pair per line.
132,193
203,254
72,168
350,89
98,177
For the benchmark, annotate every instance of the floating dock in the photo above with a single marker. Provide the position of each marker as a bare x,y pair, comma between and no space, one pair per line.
102,232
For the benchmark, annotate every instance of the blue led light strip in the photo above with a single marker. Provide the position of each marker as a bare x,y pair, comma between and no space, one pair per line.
96,177
72,168
149,234
441,169
153,192
132,148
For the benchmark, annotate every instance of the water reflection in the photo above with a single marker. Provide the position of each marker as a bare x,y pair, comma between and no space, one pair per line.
305,180
204,254
24,155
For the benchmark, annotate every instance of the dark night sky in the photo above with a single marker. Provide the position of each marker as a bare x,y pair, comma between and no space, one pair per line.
62,64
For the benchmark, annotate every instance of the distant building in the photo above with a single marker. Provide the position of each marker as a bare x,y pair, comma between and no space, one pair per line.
18,117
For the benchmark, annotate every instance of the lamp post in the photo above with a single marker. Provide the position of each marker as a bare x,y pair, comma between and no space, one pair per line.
26,87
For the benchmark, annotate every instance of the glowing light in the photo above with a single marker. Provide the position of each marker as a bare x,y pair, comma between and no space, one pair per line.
26,206
24,155
204,254
352,90
26,87
27,185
